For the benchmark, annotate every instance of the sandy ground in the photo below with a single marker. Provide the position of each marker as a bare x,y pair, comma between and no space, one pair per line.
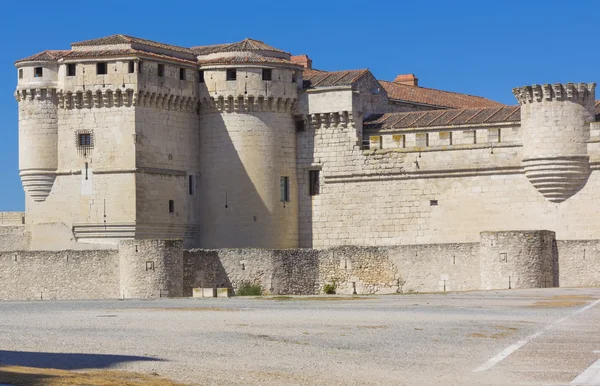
421,339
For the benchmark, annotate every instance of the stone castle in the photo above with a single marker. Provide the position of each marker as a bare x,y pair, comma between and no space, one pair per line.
247,154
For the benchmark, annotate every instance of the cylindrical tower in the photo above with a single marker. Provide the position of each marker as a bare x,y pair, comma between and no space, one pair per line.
555,124
38,124
518,259
151,268
248,94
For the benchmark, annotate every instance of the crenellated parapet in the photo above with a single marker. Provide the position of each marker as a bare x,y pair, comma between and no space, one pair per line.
342,119
581,93
247,104
36,94
109,98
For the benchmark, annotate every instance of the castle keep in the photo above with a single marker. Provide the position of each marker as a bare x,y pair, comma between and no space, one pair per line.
242,150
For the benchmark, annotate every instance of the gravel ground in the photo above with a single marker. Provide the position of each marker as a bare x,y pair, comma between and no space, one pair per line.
417,339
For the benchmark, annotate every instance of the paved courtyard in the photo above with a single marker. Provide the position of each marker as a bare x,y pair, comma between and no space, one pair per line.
519,337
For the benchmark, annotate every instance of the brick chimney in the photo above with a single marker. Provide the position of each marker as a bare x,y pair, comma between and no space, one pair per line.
408,79
302,60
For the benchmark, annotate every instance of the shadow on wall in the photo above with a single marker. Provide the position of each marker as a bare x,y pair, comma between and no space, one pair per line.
233,214
66,361
305,157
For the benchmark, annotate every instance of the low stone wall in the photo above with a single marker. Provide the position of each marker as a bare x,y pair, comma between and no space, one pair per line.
364,270
578,263
162,268
59,275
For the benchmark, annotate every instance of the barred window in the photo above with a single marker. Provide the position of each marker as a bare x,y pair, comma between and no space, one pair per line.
84,140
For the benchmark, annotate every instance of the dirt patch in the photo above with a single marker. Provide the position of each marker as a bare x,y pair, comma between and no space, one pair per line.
30,376
501,332
206,309
322,298
559,301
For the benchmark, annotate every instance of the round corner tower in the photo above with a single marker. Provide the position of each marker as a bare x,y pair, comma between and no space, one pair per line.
38,124
248,94
555,120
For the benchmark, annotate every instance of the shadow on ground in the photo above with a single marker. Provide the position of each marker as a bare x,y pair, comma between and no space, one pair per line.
45,368
66,361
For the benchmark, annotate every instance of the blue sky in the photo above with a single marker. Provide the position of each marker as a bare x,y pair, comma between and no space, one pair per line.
474,47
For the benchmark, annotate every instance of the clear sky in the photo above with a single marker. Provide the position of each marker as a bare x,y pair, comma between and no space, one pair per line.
476,47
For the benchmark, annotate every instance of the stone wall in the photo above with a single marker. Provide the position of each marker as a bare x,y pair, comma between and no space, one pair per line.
12,218
578,263
364,270
14,238
59,275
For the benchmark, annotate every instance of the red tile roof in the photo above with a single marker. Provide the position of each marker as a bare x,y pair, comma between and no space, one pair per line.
317,78
124,39
123,52
49,55
433,97
249,58
244,45
451,117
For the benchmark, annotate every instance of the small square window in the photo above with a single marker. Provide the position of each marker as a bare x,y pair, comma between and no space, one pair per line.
71,69
285,189
20,73
182,73
231,74
267,74
161,70
171,206
313,182
131,67
38,72
200,76
84,140
101,69
433,202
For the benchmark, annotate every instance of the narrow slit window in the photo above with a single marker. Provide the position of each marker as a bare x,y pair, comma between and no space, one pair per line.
171,206
101,69
182,73
20,73
71,69
267,74
191,185
300,125
285,189
293,77
161,70
200,76
38,72
231,74
313,182
131,67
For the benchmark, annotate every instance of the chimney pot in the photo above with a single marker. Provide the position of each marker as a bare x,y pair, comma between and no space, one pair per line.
302,60
408,79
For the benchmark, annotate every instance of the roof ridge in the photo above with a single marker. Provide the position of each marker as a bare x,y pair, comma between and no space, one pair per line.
437,89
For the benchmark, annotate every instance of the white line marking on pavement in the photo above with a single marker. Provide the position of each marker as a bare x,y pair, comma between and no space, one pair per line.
591,376
514,347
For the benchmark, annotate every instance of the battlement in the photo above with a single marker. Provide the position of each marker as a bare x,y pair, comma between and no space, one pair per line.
582,93
247,103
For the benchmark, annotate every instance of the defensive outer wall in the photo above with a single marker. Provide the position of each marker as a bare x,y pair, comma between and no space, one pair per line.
163,268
